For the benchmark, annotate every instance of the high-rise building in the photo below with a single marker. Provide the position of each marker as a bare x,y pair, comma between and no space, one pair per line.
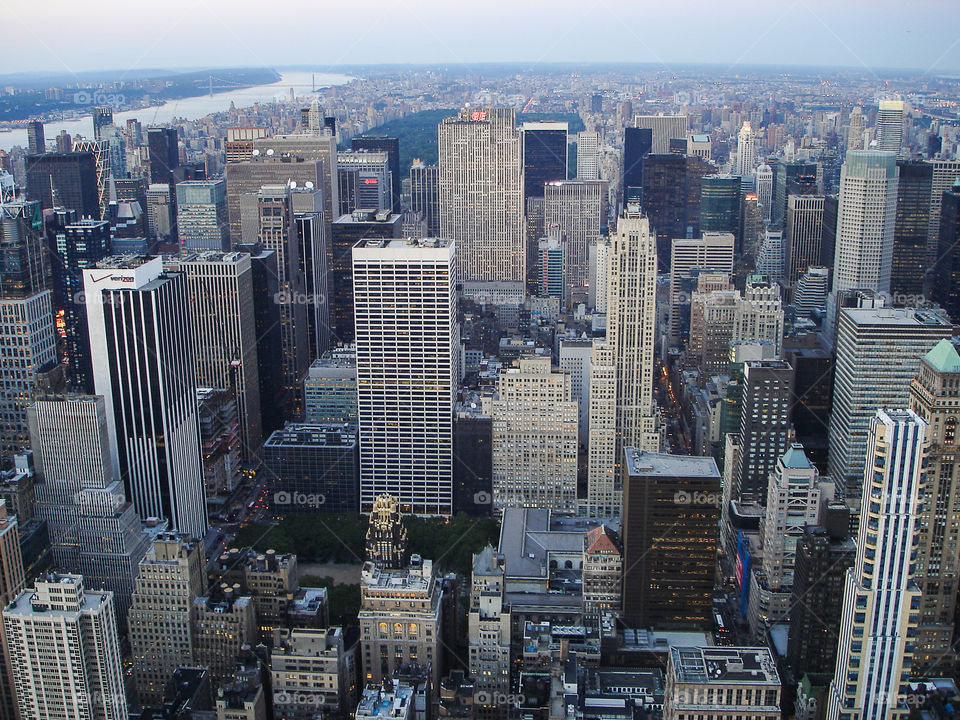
93,530
481,201
713,306
802,235
36,142
878,355
588,155
720,205
330,390
759,315
386,541
746,151
488,627
202,215
101,158
881,600
161,213
575,358
946,270
391,146
407,371
811,291
764,186
712,252
670,515
578,209
663,128
715,683
867,217
425,195
365,181
637,144
855,129
933,396
632,420
550,269
791,178
911,230
535,438
312,668
65,652
27,328
162,615
224,334
11,585
136,310
945,175
544,155
64,179
890,125
671,197
164,154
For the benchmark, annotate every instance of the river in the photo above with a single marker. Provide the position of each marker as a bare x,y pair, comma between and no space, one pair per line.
189,108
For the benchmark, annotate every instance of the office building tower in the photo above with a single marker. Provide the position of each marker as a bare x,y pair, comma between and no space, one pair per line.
933,397
425,195
865,226
313,668
202,215
161,620
93,530
712,252
945,175
535,438
481,202
64,179
770,258
314,468
238,145
671,197
74,245
223,322
472,459
811,292
802,235
763,182
550,269
161,213
746,151
881,598
663,128
364,179
632,420
407,371
588,156
400,620
65,652
386,541
599,258
36,142
224,625
946,271
791,178
220,444
575,358
596,103
720,197
488,627
578,210
391,146
759,315
330,390
637,144
891,115
102,117
163,147
878,355
855,129
26,319
347,232
11,585
314,248
544,155
137,310
101,158
713,306
911,231
670,515
824,553
269,215
715,683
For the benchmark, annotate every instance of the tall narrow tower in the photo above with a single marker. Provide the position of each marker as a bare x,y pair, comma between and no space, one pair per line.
746,150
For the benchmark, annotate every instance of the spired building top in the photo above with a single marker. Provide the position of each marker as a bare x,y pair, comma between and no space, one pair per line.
387,535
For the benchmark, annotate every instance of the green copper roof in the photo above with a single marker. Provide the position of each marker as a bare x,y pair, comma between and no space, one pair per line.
796,459
944,357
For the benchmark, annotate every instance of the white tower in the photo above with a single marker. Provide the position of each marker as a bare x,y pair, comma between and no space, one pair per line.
746,150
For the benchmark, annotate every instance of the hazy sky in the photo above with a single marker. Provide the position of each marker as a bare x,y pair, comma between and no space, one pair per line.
71,35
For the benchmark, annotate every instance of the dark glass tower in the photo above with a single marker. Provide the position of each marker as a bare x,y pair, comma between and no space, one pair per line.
720,205
164,154
946,273
391,146
637,144
70,176
544,156
911,229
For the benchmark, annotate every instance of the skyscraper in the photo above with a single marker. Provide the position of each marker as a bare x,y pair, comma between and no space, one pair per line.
27,329
890,125
867,216
712,252
934,395
36,143
224,334
65,652
791,178
632,420
11,585
544,155
802,236
878,355
64,179
365,181
881,599
163,146
102,116
746,151
391,146
588,156
425,195
577,209
143,360
720,197
945,174
94,531
764,188
637,144
481,201
407,370
664,128
911,230
855,130
202,215
161,213
946,287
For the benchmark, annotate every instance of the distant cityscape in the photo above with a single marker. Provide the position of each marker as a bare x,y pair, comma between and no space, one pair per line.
522,390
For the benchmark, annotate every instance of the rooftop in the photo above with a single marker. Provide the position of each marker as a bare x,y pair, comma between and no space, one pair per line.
944,357
640,462
724,665
795,458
